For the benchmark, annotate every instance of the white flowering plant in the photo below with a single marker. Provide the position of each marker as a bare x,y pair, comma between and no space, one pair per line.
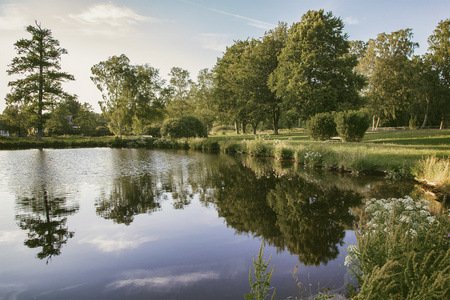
403,251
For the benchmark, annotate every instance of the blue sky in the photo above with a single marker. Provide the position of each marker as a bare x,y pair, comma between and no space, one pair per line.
190,34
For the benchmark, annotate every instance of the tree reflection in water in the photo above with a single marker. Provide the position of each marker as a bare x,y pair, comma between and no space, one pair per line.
287,211
45,217
129,196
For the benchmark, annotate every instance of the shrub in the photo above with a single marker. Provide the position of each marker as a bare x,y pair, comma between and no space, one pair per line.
153,130
352,125
403,251
322,127
183,127
230,146
101,131
283,151
258,147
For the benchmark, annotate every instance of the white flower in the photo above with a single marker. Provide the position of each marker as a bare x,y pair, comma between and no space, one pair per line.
412,232
404,219
409,207
430,220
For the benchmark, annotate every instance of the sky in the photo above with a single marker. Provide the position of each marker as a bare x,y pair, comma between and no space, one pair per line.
190,34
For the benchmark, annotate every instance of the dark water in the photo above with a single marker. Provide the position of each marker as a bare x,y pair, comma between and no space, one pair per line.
139,224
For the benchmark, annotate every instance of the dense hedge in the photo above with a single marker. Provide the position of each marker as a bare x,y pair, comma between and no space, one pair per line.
352,125
183,127
322,127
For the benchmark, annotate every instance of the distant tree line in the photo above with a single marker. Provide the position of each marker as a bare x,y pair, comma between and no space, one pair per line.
276,81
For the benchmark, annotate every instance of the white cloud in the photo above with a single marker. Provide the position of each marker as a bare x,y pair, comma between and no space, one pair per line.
351,20
9,237
117,243
12,17
163,281
110,15
108,19
216,42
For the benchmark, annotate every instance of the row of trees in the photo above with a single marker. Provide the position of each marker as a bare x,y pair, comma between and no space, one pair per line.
289,74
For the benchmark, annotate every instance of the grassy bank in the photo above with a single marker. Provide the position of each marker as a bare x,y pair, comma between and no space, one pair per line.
399,154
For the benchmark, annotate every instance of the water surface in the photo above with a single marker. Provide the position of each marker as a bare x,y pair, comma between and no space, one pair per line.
143,224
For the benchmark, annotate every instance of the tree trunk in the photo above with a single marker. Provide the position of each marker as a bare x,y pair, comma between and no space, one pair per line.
373,123
276,117
425,119
442,123
244,125
254,127
378,123
236,126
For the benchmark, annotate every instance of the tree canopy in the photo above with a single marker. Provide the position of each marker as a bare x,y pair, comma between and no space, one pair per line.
38,61
315,71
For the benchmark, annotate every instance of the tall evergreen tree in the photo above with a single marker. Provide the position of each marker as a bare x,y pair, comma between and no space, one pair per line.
38,61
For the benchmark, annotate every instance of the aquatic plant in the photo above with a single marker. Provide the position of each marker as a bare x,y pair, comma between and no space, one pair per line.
260,287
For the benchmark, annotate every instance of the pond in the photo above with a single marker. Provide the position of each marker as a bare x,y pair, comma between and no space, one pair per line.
106,223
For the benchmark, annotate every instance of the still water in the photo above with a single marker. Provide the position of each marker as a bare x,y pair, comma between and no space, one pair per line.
143,224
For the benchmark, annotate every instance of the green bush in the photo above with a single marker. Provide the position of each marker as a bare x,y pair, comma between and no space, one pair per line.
101,131
183,127
283,151
322,127
153,130
352,125
258,147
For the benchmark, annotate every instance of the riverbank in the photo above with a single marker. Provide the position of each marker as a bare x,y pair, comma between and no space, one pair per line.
396,154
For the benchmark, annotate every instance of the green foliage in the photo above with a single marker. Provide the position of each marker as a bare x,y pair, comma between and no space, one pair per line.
183,127
260,287
283,151
101,131
322,126
39,62
403,251
230,146
130,93
153,130
352,125
258,147
314,65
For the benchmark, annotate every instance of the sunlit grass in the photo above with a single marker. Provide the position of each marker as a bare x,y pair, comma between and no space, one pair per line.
435,171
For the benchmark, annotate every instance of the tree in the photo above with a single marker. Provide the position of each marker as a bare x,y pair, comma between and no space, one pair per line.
439,52
387,63
228,92
267,52
315,70
39,61
15,119
203,95
179,101
130,93
427,92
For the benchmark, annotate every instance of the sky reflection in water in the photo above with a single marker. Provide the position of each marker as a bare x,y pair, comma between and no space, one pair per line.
124,223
